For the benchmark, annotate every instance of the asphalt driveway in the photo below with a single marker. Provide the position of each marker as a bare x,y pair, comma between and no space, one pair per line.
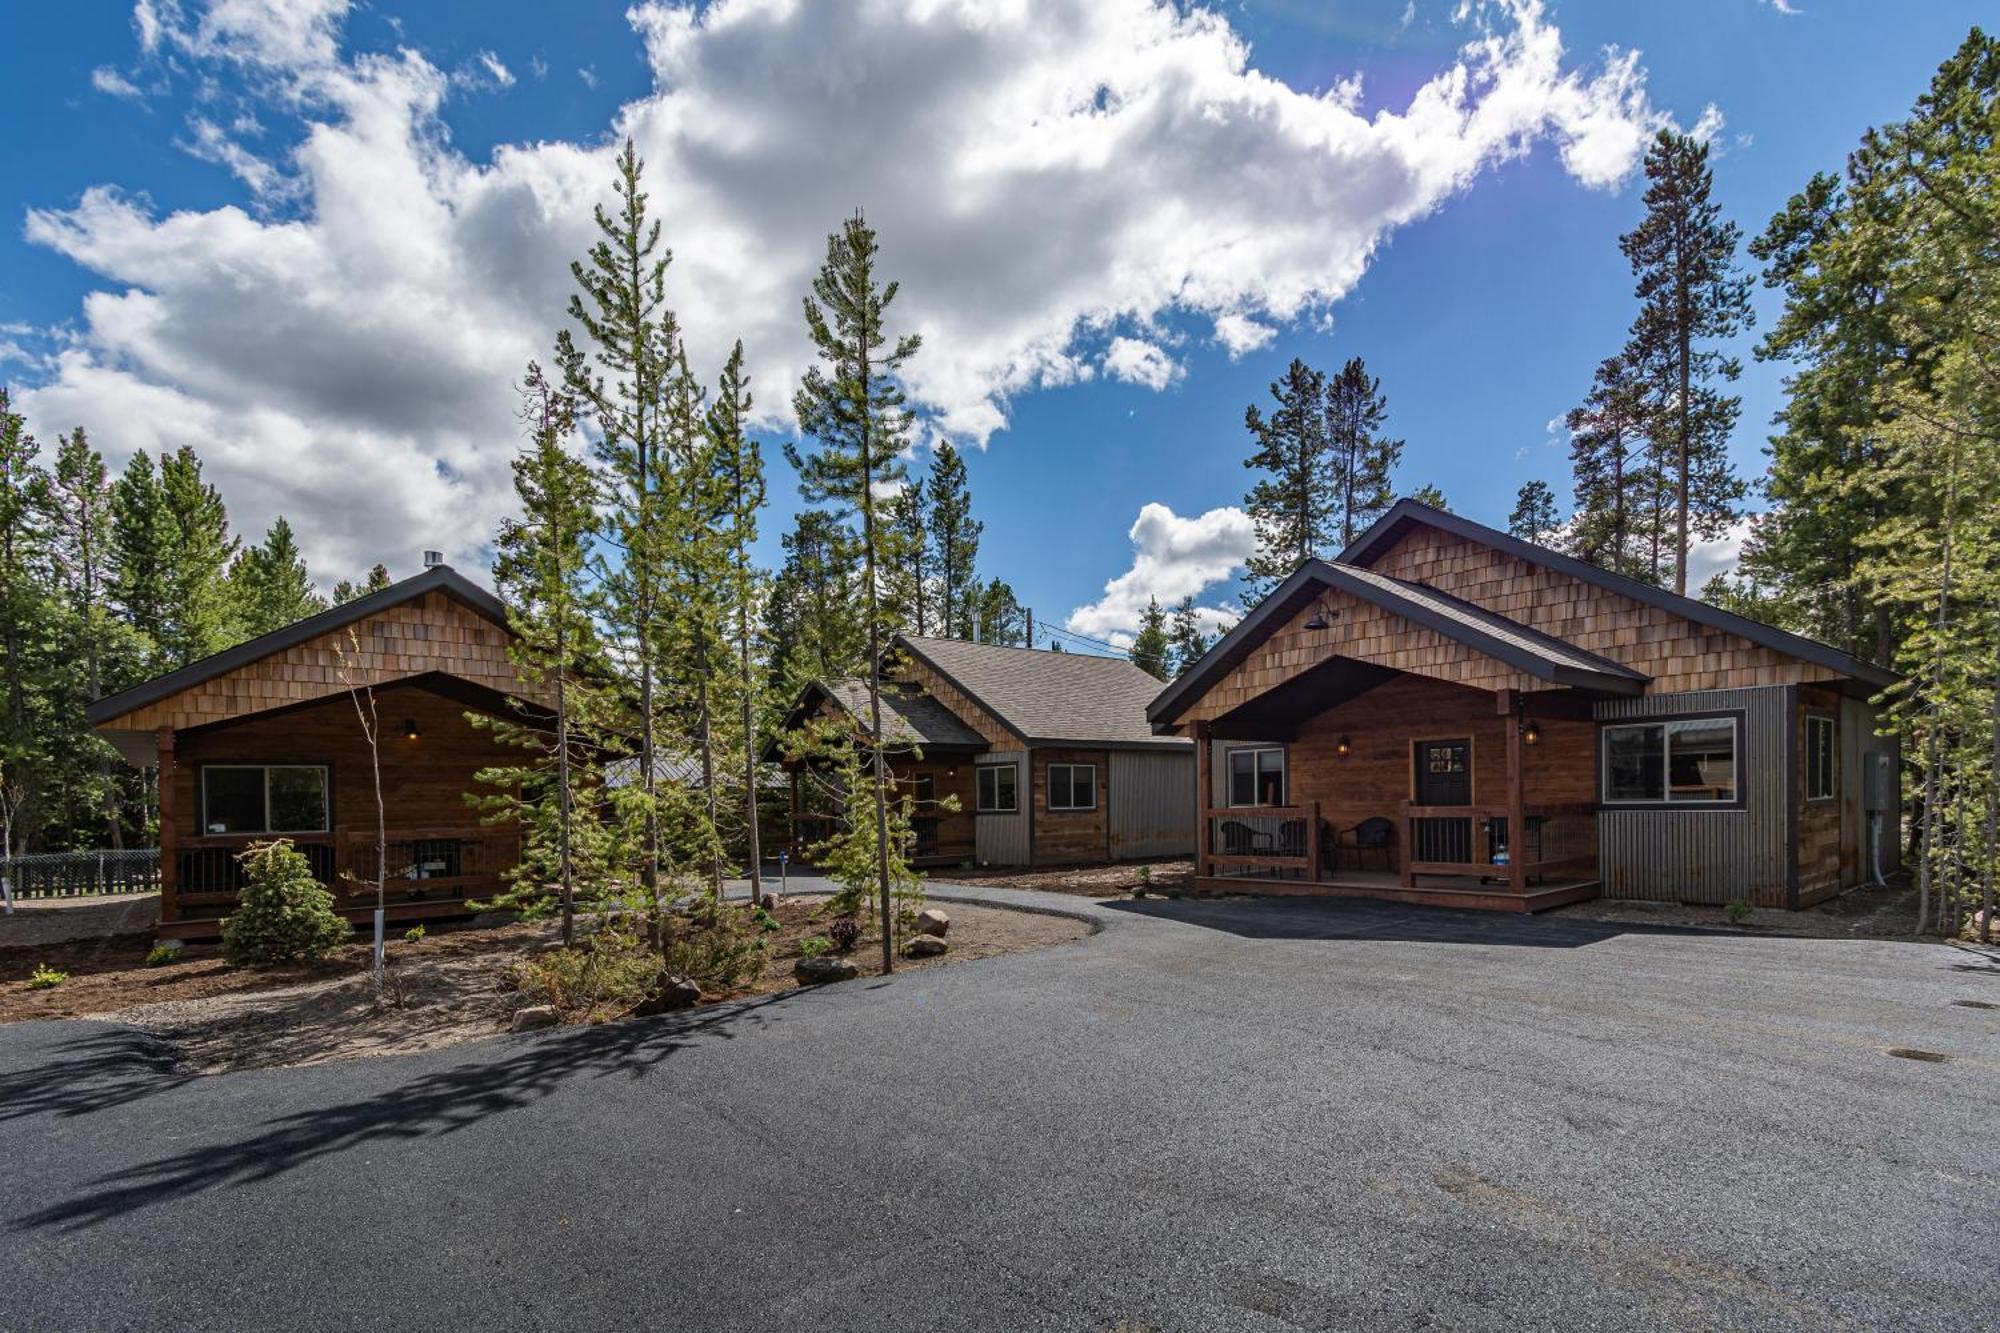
1209,1115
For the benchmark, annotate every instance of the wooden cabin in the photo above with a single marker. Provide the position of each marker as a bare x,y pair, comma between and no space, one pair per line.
262,740
1384,723
1049,755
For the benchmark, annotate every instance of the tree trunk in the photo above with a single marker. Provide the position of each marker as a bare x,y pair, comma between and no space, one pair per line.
751,832
874,652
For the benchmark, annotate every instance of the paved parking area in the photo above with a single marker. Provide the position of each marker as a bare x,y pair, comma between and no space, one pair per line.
1210,1115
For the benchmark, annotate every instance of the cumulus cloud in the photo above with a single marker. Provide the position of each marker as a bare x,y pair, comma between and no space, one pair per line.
1172,558
109,81
1051,179
1719,555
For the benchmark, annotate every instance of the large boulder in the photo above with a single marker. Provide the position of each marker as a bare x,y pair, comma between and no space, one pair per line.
924,946
813,971
932,921
671,991
533,1017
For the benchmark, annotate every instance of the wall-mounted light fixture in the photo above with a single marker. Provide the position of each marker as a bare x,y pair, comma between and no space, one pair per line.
410,731
1322,616
1532,733
1342,746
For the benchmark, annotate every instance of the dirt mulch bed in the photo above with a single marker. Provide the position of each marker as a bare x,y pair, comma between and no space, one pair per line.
1863,913
1112,881
456,984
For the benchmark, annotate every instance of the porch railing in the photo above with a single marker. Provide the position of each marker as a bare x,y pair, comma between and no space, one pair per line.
1471,841
419,863
1265,842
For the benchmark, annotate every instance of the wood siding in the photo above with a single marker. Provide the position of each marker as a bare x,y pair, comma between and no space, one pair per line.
431,633
1823,869
913,669
949,778
1064,837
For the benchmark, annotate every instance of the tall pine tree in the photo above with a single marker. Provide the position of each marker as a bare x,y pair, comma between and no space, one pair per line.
1614,482
1364,459
1150,646
954,542
270,586
1295,504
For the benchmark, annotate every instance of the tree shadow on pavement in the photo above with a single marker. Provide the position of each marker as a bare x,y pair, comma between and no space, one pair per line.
1307,918
443,1102
106,1067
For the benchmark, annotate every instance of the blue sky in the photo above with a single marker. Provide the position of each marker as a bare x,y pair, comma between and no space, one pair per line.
317,242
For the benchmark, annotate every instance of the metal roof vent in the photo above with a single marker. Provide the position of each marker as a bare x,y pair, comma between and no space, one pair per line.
432,559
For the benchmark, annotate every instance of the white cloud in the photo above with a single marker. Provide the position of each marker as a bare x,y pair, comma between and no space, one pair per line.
484,73
1172,558
1784,6
108,80
1139,362
1707,558
211,144
1042,174
588,73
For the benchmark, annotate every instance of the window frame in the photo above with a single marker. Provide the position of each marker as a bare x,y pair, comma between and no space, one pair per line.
1229,776
1832,774
1049,788
326,799
1739,737
979,805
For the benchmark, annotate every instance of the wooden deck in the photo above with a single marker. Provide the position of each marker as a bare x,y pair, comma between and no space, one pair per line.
1427,891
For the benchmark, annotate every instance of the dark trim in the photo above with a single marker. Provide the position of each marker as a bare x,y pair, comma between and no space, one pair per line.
903,642
1371,544
1014,764
439,578
1794,823
1807,714
1163,745
1741,717
1055,809
201,797
1229,749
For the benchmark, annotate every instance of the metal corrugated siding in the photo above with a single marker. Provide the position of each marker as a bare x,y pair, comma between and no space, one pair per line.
1002,840
1706,856
1152,804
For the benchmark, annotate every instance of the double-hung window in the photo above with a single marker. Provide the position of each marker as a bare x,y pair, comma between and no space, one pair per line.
1675,761
997,794
1257,777
1072,786
263,798
1819,757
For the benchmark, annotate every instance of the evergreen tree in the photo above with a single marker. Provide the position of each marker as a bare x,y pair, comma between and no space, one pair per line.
999,617
1534,518
1363,458
812,623
1294,505
954,542
197,616
739,461
270,586
142,543
1691,299
852,404
23,605
908,554
1615,486
1430,494
1188,640
1151,646
346,591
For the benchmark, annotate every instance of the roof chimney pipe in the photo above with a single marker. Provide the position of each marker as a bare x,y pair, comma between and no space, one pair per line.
432,559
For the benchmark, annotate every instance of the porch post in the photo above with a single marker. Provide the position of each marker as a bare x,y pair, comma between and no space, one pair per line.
1204,784
794,832
1312,843
1517,830
170,864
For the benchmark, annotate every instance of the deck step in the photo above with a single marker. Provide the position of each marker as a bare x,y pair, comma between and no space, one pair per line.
1474,899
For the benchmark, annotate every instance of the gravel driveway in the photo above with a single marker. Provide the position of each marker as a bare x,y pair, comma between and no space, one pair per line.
1210,1115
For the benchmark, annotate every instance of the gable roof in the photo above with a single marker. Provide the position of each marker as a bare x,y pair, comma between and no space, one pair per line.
1049,698
439,578
909,718
1371,545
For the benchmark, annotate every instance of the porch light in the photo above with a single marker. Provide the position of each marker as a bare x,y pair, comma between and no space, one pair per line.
1342,746
1320,616
410,731
1532,733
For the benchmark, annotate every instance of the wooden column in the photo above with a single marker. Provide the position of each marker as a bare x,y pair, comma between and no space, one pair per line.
1515,710
1312,843
794,836
1204,783
170,867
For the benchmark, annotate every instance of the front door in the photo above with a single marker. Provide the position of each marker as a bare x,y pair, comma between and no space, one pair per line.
1444,772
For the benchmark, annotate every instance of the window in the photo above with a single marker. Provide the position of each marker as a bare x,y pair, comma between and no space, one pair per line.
1685,760
1257,777
1072,786
923,790
248,798
1819,757
997,795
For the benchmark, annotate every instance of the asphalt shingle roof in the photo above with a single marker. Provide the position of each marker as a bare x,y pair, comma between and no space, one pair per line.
907,719
1048,696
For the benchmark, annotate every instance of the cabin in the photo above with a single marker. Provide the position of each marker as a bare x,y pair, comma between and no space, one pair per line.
1049,755
262,740
1447,714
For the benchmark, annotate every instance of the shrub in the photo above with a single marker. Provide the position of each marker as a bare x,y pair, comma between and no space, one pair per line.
414,934
162,954
284,915
45,977
812,946
714,946
1739,911
766,922
844,932
605,976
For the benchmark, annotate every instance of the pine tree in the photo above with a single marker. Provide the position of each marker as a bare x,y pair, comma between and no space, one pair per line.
270,586
1363,458
197,616
1691,299
852,404
739,462
346,591
1150,646
1534,518
907,551
998,617
142,542
812,623
1431,494
1614,485
954,542
1188,640
23,609
1294,504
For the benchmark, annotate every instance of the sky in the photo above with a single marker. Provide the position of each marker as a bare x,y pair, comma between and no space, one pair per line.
320,240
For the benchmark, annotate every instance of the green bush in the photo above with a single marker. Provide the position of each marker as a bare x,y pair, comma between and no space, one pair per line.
45,977
414,934
812,946
162,954
283,915
1739,911
598,979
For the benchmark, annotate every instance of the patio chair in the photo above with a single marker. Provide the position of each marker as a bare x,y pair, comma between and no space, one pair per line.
1238,838
1374,835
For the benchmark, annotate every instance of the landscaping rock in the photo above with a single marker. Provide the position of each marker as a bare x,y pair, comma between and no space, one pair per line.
671,992
931,921
924,946
533,1017
813,971
489,920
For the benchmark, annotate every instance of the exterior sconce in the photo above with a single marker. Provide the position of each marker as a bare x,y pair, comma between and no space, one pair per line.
1532,733
1321,616
1343,746
410,731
